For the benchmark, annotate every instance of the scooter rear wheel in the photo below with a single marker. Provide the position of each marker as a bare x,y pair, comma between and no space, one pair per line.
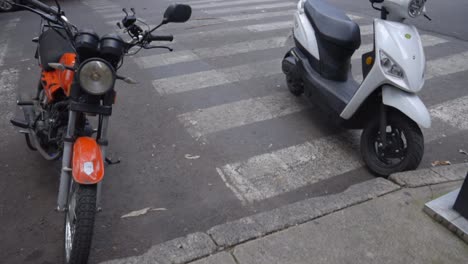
404,150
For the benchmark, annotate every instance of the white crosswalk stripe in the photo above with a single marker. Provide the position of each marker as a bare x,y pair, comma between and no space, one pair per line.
268,175
427,40
198,2
249,8
113,15
230,3
106,7
454,112
240,113
205,53
8,77
447,65
110,10
200,80
6,29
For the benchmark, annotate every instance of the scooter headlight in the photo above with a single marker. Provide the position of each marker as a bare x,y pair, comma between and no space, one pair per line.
416,7
390,67
96,76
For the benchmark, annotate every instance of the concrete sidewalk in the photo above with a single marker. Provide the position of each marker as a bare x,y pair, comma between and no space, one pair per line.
379,221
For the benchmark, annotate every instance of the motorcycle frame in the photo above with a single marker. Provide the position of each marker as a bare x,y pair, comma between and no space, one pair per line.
66,171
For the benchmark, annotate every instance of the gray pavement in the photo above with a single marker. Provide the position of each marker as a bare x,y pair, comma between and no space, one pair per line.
219,96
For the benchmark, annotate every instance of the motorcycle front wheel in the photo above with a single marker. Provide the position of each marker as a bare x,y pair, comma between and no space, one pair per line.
404,149
79,223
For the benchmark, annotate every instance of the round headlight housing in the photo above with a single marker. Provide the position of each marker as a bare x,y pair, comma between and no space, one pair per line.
96,76
416,7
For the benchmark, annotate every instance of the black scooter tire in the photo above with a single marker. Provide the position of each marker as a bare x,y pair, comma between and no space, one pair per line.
414,139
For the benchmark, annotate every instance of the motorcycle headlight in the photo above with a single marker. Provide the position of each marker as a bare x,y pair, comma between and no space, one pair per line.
416,7
96,76
390,67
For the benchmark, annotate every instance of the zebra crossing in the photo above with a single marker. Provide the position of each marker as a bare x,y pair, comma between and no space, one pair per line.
241,28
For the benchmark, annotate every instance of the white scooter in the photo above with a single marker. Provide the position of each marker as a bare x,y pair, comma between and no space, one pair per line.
385,104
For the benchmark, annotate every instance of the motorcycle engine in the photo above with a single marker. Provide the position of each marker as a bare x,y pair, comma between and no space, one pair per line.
51,126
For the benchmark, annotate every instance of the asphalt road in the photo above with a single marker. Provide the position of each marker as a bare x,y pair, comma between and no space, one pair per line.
210,133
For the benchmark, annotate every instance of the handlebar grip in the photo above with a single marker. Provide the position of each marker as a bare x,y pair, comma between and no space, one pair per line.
161,37
43,7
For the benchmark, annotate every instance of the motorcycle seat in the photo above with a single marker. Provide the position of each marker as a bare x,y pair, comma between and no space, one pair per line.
333,24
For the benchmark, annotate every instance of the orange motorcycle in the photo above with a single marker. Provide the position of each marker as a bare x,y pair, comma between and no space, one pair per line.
78,75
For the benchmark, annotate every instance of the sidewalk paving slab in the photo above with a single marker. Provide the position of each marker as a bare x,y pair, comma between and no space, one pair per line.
389,229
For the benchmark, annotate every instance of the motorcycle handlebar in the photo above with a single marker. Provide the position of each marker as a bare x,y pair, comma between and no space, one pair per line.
43,7
161,37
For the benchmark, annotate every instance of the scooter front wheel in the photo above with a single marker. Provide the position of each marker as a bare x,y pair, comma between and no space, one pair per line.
404,146
79,223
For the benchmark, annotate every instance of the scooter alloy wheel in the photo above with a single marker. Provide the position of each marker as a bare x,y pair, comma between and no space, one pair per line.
403,151
79,223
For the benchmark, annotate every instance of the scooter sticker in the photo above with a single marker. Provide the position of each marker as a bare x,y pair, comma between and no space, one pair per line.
408,36
88,168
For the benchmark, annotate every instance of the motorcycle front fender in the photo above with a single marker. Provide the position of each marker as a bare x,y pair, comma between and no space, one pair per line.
407,103
88,164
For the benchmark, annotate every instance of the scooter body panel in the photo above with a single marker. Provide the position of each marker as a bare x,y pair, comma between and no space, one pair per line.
333,94
304,32
407,103
403,45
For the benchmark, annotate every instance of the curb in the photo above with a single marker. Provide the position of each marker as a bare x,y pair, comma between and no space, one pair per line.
202,244
199,245
435,175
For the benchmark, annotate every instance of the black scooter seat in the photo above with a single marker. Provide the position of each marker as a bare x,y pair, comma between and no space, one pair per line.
332,24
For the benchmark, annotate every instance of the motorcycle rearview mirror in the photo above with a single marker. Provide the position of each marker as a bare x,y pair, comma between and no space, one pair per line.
61,67
128,80
177,13
57,66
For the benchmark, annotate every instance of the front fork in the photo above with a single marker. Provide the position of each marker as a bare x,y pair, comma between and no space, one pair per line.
66,171
383,125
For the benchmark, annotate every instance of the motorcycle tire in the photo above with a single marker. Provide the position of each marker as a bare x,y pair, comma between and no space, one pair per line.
405,144
79,223
6,7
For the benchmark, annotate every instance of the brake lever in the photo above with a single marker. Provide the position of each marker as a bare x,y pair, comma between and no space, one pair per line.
159,47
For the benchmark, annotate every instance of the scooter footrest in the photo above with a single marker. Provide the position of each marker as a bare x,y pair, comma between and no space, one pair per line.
19,123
